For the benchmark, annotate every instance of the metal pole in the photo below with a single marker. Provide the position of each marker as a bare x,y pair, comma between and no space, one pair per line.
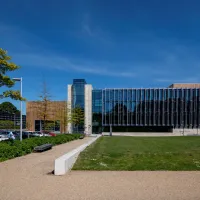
21,112
14,121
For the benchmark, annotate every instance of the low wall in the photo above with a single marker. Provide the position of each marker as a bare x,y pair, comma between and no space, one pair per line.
64,163
176,132
187,131
138,134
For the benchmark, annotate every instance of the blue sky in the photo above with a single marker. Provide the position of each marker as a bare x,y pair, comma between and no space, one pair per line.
112,43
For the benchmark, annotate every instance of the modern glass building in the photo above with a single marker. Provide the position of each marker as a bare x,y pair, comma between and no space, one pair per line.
78,89
78,99
146,110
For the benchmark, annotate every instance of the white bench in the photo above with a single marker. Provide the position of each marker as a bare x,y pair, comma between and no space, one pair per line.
64,163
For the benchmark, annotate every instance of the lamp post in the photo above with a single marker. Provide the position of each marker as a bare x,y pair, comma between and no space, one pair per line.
14,120
20,79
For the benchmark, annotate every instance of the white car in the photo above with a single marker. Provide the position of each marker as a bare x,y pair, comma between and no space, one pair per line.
39,134
5,135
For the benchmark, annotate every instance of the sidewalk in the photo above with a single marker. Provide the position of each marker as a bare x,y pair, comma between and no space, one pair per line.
27,178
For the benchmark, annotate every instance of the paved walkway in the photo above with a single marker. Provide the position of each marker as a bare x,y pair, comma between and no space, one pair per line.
27,178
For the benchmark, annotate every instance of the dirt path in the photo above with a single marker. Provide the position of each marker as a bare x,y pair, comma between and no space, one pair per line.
27,178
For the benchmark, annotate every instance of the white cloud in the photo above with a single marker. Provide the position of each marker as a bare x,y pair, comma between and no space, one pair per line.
95,32
65,64
158,60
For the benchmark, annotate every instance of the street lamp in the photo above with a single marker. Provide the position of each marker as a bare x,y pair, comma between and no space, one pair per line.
14,120
20,79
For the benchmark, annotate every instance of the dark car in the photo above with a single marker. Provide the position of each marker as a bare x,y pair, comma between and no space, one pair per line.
16,134
25,134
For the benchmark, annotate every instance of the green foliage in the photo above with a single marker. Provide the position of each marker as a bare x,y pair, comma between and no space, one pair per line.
12,149
8,108
49,125
5,67
141,153
6,124
77,116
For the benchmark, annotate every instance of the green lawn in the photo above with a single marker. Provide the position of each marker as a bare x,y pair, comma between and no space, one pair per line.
141,153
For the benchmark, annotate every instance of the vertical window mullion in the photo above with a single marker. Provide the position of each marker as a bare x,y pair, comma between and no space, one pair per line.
145,110
127,105
154,107
114,108
131,107
136,120
141,122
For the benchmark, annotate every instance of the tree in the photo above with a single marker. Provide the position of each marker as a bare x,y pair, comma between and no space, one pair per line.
62,115
43,104
8,108
76,117
6,124
5,81
49,125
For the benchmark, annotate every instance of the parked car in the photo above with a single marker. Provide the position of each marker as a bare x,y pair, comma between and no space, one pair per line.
49,133
17,135
46,135
37,134
7,135
3,136
52,134
25,134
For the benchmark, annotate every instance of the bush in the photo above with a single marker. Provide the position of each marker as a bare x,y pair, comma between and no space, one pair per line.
11,149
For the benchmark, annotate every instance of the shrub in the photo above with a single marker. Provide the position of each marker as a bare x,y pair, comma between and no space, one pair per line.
12,149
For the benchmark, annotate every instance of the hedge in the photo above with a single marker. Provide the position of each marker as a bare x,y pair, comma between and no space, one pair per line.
11,149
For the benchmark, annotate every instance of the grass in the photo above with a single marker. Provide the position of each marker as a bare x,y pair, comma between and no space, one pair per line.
141,153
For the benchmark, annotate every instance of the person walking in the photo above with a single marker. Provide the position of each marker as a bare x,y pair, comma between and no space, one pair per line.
11,136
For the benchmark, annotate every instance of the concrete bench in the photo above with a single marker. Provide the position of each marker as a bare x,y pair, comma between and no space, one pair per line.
64,163
43,147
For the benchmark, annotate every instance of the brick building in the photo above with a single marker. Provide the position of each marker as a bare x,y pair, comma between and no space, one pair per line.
55,116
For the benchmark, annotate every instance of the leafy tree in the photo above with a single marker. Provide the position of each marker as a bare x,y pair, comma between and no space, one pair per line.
77,117
6,124
49,125
5,81
8,108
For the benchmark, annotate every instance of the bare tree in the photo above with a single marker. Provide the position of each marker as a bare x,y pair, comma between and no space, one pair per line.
43,104
62,115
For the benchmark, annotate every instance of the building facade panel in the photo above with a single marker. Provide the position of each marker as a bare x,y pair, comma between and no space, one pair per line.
55,115
176,107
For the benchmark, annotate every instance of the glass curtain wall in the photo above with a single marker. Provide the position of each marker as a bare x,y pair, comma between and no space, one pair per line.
151,107
96,111
78,99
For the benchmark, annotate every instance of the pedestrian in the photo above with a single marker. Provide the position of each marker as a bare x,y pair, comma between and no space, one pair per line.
11,136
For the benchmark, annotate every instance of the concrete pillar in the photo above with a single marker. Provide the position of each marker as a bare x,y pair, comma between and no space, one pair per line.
88,109
69,106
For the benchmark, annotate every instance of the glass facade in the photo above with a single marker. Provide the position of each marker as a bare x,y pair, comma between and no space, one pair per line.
78,90
50,125
147,107
78,98
96,111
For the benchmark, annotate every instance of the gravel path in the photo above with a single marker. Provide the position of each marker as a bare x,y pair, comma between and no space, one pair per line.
27,178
